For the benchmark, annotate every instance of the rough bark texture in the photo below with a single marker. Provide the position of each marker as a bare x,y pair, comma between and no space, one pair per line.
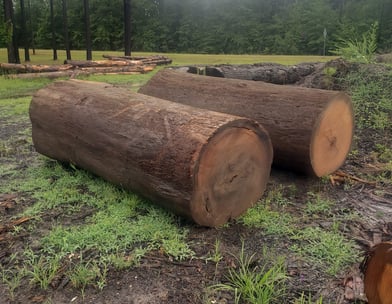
32,68
268,72
311,130
206,165
321,75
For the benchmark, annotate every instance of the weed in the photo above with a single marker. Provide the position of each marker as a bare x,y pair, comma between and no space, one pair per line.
360,49
328,249
371,95
83,275
308,300
12,278
254,284
216,255
42,269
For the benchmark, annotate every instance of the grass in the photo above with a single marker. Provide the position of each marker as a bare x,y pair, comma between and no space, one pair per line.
44,57
255,284
329,250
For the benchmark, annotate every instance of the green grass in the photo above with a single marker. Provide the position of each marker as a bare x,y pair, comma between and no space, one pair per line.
255,284
11,107
44,57
11,88
329,250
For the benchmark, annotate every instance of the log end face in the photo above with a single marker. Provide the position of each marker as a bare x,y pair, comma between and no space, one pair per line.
232,175
332,136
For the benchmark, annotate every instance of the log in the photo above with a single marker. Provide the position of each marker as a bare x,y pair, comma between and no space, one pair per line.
31,68
267,72
102,63
154,59
126,70
311,129
205,165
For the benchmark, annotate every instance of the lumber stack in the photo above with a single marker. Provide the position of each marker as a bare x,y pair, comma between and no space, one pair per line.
311,129
206,165
73,68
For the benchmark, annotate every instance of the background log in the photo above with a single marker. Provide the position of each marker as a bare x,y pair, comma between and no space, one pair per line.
31,68
206,165
268,72
126,70
311,130
102,63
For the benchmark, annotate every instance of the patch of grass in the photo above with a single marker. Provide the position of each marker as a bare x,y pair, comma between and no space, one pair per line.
255,284
263,214
12,279
45,57
329,250
41,268
317,205
384,153
272,222
13,88
11,107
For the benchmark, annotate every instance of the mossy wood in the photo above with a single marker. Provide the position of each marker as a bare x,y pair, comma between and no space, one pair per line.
206,165
311,129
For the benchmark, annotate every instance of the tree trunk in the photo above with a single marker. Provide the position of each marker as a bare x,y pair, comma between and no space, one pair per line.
127,27
54,44
89,55
12,48
206,165
311,130
31,27
25,37
66,30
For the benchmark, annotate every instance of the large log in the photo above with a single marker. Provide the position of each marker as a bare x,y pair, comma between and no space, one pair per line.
125,70
206,165
31,68
101,63
267,72
311,130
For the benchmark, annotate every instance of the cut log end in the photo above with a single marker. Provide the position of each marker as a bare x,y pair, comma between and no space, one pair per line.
233,171
332,136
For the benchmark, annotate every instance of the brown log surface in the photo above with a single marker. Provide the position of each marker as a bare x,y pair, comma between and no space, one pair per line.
311,129
206,165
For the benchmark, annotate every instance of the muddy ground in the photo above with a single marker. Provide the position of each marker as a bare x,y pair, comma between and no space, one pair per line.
159,279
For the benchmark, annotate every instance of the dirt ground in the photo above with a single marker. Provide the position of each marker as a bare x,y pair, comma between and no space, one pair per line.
158,279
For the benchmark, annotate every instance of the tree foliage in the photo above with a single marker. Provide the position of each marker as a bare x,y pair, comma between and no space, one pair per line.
212,26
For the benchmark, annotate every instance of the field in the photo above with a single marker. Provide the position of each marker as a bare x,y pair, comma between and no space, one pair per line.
67,236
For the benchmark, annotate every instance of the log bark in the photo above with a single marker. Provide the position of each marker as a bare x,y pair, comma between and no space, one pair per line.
311,130
205,165
154,59
268,72
127,70
31,68
102,63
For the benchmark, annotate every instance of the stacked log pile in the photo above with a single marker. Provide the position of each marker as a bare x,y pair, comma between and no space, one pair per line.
73,68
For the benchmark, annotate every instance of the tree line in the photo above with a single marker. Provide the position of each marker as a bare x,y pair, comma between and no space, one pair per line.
194,26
